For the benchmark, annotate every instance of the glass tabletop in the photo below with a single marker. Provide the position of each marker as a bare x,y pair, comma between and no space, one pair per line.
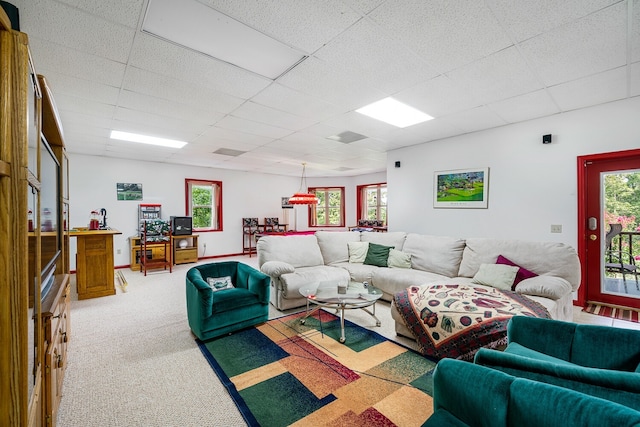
354,292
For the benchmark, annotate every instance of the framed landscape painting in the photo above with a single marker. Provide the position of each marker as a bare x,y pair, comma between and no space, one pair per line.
462,188
128,191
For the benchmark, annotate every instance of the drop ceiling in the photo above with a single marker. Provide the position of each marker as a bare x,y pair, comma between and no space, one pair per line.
470,64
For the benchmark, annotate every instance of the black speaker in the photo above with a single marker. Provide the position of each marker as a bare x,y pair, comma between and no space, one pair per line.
546,139
181,225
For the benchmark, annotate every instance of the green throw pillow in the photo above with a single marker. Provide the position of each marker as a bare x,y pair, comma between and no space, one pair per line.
377,255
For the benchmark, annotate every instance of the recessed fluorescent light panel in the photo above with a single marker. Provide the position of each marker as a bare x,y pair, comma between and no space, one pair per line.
347,137
394,112
196,26
145,139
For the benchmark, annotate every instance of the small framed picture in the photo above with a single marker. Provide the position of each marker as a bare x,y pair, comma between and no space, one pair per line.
286,204
128,191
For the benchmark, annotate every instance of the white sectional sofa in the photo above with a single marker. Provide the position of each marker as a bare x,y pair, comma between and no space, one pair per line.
295,261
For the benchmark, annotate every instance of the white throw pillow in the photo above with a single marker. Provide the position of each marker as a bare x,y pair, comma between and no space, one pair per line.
358,251
399,259
219,283
499,276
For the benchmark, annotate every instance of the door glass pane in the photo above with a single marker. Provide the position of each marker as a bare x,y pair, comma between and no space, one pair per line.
621,229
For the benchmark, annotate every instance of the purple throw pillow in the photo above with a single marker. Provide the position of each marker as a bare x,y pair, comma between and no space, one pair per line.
522,274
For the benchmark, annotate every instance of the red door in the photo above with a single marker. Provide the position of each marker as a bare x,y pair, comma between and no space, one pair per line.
593,226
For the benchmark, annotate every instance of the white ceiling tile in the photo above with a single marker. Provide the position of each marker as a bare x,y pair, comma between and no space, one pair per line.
365,53
76,29
125,12
79,88
526,19
163,107
68,103
260,113
305,24
476,119
446,34
584,47
77,64
164,87
158,121
597,89
438,97
525,107
216,133
155,54
320,79
296,102
248,126
502,75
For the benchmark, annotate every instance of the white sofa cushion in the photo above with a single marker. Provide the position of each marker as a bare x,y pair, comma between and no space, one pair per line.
437,254
333,245
399,259
395,239
548,258
545,286
299,251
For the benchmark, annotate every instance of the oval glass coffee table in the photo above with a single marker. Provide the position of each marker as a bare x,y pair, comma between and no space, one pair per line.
326,295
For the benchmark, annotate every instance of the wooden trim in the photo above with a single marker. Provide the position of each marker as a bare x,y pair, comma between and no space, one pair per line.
5,168
582,215
51,123
5,22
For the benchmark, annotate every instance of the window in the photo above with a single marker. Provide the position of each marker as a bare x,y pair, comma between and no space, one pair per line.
372,202
204,204
329,212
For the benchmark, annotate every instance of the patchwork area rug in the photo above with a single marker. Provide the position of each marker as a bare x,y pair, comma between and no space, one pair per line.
284,373
620,313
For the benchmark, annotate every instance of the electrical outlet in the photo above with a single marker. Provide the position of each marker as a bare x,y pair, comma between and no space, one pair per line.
119,251
556,228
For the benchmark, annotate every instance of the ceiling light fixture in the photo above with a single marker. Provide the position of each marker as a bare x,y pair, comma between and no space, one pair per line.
145,139
196,26
301,198
394,112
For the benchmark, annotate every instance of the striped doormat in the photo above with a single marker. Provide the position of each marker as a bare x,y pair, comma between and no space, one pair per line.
628,314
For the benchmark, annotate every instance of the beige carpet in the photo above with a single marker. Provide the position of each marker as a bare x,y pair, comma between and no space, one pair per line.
133,361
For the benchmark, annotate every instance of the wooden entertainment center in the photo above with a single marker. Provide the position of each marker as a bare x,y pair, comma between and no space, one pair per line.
34,244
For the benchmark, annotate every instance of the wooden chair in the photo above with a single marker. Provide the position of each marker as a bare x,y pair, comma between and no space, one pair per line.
155,242
273,225
250,228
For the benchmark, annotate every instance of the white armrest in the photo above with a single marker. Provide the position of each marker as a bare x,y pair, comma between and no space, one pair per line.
545,286
277,268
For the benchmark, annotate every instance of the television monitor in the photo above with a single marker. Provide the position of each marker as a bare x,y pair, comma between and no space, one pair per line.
181,225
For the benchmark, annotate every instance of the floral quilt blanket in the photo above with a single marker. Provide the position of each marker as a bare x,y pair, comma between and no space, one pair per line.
454,320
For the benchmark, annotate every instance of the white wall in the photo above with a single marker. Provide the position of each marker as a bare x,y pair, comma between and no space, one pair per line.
92,185
531,185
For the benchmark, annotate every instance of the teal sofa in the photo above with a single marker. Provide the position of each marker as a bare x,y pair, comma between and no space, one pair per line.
598,360
212,314
466,394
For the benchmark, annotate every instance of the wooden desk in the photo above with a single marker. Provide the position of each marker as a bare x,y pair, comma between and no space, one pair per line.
94,263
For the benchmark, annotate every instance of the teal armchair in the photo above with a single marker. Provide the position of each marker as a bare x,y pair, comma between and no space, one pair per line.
598,360
465,394
212,314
